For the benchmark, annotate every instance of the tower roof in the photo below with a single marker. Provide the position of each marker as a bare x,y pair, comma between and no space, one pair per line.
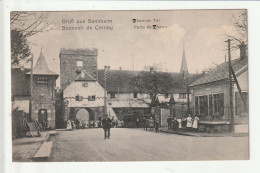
41,67
184,67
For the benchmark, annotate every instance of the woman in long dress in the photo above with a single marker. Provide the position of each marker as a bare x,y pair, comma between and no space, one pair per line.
180,123
69,126
189,122
195,123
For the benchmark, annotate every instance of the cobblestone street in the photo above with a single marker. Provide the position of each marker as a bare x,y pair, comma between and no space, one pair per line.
140,145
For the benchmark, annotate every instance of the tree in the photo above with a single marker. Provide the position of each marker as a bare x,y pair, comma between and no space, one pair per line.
19,47
240,24
24,25
153,82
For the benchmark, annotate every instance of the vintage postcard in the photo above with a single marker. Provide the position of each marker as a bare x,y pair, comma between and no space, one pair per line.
169,85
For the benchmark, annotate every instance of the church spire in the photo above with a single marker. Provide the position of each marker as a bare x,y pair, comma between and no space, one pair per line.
184,67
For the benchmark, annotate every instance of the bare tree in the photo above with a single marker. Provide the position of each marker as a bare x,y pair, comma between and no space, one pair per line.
24,25
240,24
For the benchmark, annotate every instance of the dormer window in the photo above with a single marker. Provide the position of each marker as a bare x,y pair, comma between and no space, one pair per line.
79,63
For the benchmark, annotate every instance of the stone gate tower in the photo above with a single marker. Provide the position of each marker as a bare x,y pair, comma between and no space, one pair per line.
43,93
73,61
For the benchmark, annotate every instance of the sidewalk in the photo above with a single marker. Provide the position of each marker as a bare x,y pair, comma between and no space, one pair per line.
25,148
201,134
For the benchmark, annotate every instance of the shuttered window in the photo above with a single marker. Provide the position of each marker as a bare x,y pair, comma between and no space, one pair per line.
218,104
197,105
210,105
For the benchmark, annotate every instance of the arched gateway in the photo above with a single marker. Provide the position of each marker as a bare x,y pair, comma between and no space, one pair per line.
82,114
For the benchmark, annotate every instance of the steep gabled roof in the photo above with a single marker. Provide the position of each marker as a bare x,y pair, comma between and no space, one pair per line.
221,72
41,67
84,76
120,80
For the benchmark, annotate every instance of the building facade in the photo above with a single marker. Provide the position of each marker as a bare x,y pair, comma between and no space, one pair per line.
85,99
211,96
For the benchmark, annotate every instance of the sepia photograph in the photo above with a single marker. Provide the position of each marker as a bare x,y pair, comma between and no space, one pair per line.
129,85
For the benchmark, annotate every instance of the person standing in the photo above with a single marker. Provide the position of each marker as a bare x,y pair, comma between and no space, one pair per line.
137,122
106,124
77,123
156,125
151,123
69,126
195,123
175,124
180,123
189,122
169,121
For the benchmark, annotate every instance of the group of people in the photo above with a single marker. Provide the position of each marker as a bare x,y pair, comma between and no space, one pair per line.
188,123
151,123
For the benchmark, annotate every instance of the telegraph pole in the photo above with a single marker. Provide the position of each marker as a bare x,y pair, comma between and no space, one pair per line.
230,88
31,87
105,85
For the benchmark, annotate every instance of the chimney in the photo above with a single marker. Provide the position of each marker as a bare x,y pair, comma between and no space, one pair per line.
243,54
108,67
120,68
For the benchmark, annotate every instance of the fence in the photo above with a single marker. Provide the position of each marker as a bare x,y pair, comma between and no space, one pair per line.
19,127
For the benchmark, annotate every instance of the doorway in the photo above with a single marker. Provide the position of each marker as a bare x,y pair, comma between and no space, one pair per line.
42,118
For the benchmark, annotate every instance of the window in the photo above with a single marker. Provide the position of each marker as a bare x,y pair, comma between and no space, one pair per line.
135,95
79,98
166,96
91,98
212,104
240,107
182,96
79,63
203,105
218,104
112,95
42,80
197,111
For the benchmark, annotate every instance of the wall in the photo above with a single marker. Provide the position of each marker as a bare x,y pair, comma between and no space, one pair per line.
145,96
68,66
243,83
213,88
93,88
22,103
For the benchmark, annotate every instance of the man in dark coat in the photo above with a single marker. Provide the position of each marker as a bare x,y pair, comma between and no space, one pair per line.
106,124
169,121
175,124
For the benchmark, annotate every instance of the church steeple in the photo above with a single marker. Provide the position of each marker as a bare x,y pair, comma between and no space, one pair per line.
184,67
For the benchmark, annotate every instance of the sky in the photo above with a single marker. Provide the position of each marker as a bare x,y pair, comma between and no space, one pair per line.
200,32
